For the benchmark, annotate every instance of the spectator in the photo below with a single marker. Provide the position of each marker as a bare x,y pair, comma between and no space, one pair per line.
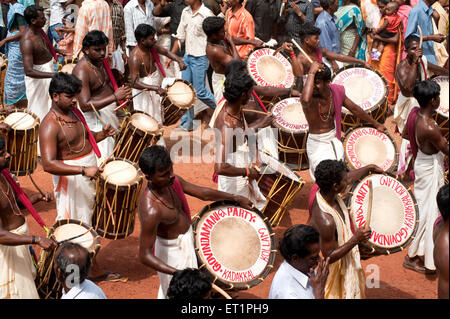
295,14
265,15
57,8
326,21
137,12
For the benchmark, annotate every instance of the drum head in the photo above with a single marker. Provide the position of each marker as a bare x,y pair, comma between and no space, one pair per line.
394,211
365,87
144,122
270,70
120,172
66,231
68,68
366,145
234,244
443,83
20,120
181,94
288,116
275,166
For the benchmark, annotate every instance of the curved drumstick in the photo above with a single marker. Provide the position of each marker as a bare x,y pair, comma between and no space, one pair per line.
369,208
421,36
254,111
302,51
221,291
96,112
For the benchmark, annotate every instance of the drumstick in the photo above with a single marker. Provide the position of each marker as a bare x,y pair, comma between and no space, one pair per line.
74,237
421,36
302,51
128,100
369,207
277,50
98,115
17,122
254,111
35,185
221,291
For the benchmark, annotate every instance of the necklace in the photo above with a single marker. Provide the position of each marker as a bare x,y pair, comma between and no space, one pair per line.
95,68
14,208
59,120
322,115
162,202
143,64
239,119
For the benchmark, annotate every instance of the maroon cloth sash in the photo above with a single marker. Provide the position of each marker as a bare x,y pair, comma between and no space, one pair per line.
411,127
49,44
158,62
259,101
319,55
180,193
91,137
338,92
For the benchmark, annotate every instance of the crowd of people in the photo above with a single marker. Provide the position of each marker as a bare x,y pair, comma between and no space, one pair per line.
125,56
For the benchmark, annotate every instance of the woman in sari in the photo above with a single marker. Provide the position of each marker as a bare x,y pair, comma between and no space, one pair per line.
15,74
350,23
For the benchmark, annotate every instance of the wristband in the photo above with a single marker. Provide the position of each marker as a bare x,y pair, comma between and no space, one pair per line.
33,240
293,54
82,170
117,100
247,172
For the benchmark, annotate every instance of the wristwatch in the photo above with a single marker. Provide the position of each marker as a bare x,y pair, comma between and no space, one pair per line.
82,170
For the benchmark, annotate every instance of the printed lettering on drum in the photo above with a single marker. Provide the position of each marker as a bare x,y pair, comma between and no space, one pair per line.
288,113
444,105
209,243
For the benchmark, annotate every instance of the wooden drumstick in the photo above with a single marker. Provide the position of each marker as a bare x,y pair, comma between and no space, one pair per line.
302,51
98,114
17,122
35,185
128,100
421,36
369,206
277,50
254,111
221,291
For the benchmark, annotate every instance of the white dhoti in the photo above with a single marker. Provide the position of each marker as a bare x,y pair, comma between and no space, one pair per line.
268,141
75,194
429,178
39,101
17,271
321,147
178,253
218,81
95,125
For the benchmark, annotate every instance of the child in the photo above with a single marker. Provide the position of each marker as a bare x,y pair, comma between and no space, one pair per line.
66,34
390,26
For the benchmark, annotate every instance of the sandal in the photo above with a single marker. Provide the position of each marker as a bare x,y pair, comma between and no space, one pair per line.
109,276
416,267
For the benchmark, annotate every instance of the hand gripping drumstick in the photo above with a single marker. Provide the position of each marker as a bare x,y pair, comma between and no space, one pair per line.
128,100
254,111
302,51
369,207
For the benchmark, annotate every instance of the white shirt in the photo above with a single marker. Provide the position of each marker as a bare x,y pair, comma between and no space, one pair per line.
134,16
290,283
56,11
86,290
190,30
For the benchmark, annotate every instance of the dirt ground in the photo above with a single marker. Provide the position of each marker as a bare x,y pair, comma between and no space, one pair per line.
395,282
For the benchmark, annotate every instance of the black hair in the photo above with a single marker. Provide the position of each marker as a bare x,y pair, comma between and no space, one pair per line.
443,201
189,283
2,143
235,65
94,37
236,84
143,31
325,4
385,2
328,173
424,91
307,30
64,83
324,75
154,158
394,3
212,25
69,255
32,12
296,241
410,39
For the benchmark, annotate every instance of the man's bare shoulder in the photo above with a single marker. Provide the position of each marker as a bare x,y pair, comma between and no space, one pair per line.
320,220
80,68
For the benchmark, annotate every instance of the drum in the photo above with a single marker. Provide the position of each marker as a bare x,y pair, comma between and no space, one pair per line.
180,98
279,185
137,132
21,141
67,65
394,216
235,245
46,283
365,145
441,115
116,200
292,132
367,88
267,69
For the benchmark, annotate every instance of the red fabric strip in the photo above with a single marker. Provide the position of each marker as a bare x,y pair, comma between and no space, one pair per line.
180,193
91,137
338,92
158,62
411,127
49,44
259,101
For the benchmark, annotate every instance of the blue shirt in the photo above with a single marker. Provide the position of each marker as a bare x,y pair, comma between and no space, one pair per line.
420,15
329,37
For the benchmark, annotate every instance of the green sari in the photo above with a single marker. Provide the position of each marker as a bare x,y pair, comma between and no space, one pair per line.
350,23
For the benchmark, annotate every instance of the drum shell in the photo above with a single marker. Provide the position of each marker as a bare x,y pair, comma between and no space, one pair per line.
47,285
292,149
117,223
132,141
172,112
442,122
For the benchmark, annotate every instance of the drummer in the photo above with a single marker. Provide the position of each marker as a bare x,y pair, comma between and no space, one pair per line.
165,216
67,152
17,271
144,74
97,91
330,218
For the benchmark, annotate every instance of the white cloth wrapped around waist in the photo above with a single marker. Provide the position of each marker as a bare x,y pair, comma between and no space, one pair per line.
149,101
402,109
218,81
39,101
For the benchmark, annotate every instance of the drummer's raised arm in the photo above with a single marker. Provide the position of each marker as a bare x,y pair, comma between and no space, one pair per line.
308,87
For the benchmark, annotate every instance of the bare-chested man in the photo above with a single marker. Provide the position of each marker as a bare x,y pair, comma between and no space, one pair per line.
97,91
426,138
165,217
407,73
144,72
331,219
441,248
37,62
17,271
67,153
320,100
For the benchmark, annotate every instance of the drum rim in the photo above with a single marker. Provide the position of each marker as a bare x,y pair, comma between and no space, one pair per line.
261,48
300,179
344,138
435,78
376,249
224,283
65,62
140,174
36,118
194,97
386,85
280,127
5,61
157,132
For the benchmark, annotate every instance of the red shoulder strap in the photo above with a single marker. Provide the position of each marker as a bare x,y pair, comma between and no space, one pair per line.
338,100
91,137
180,193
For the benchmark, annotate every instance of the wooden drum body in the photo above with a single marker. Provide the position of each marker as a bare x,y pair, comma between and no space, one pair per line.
394,217
234,245
441,115
21,141
279,185
3,67
117,194
137,132
292,132
367,88
46,282
364,145
67,65
180,98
